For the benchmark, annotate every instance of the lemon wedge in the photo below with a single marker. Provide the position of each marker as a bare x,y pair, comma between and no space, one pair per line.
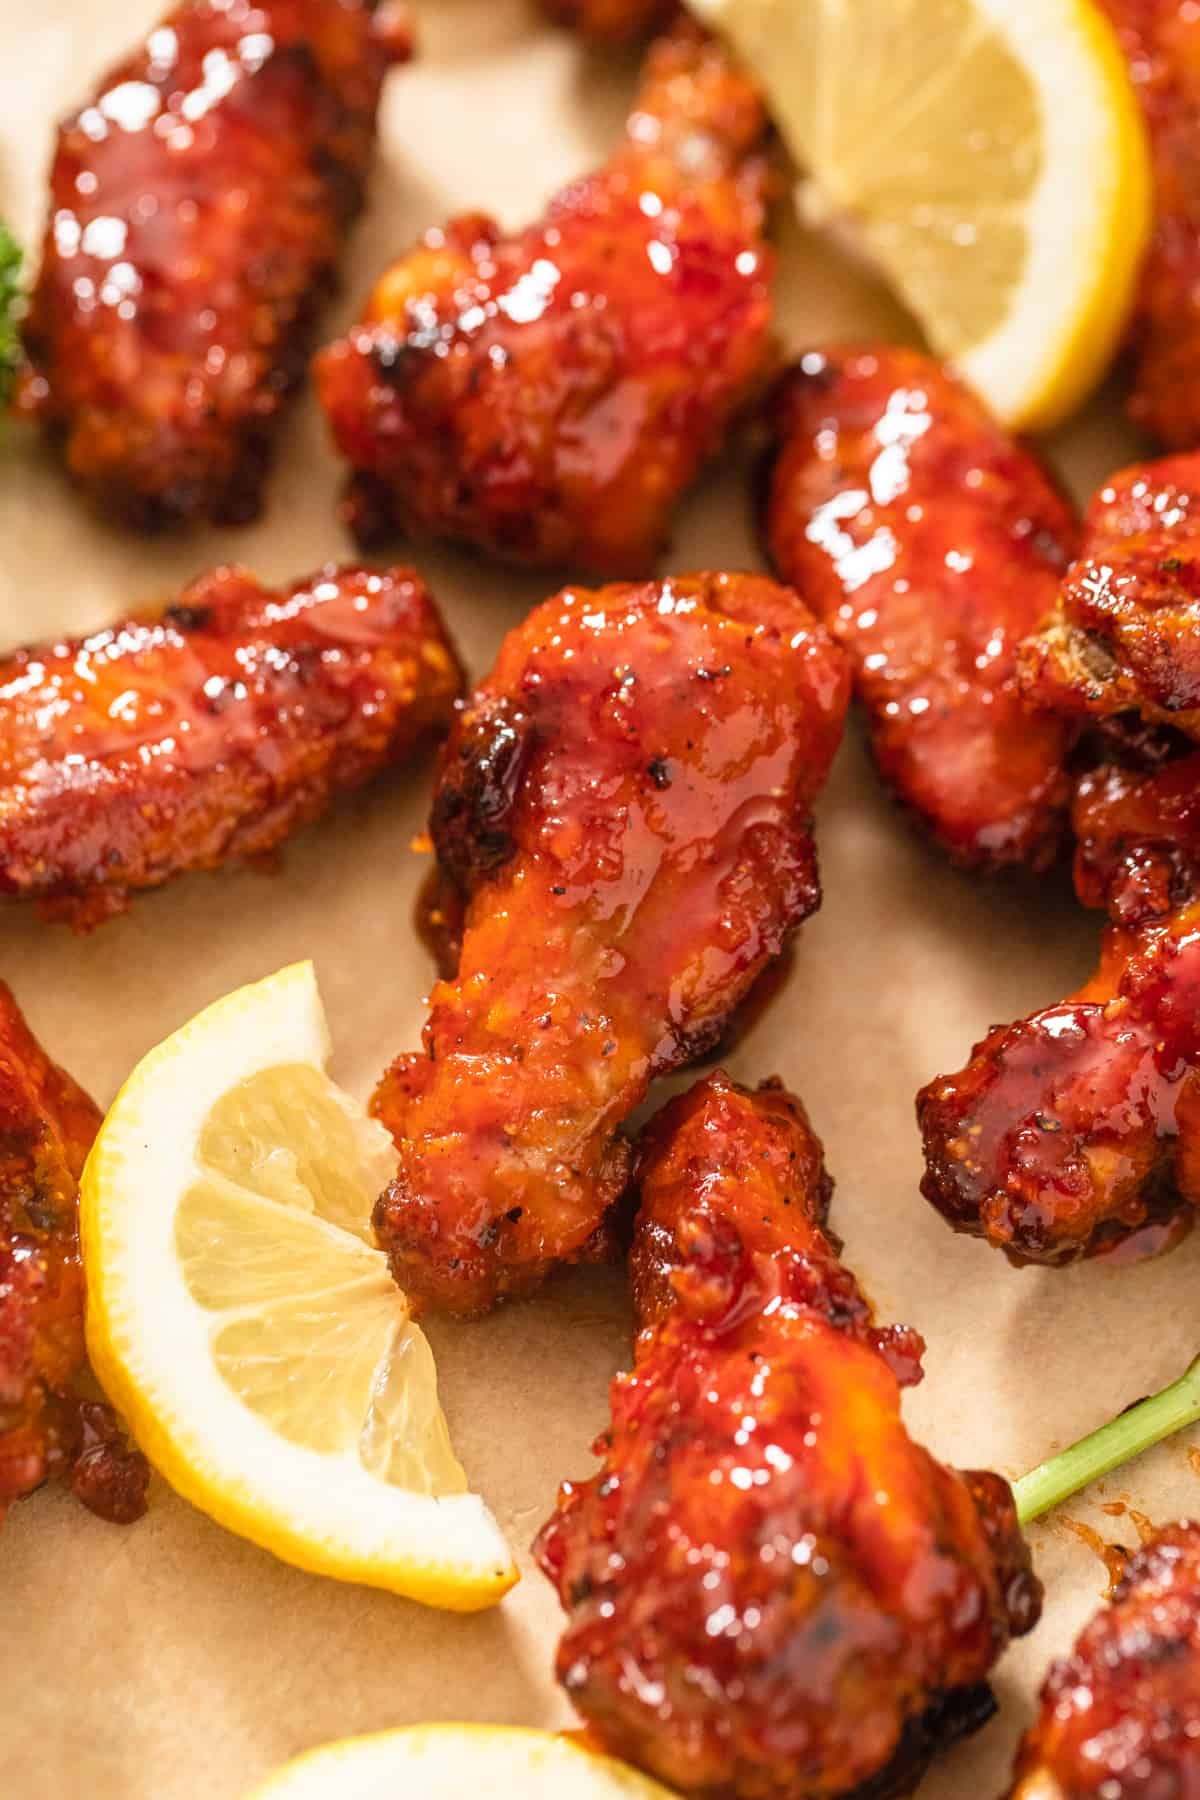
241,1319
444,1762
988,156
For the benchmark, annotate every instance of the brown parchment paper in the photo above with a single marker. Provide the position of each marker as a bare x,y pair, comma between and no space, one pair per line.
171,1659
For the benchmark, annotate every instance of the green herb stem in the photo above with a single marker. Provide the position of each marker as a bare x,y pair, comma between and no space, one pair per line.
1125,1437
10,299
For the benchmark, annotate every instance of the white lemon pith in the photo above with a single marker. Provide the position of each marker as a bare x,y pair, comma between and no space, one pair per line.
991,159
242,1321
446,1762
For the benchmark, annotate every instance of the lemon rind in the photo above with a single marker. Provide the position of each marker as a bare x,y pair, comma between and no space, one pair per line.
1075,346
1089,216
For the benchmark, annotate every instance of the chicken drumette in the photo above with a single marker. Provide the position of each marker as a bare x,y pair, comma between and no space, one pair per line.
930,543
772,1591
1120,1716
47,1124
1161,40
624,806
547,397
180,740
198,204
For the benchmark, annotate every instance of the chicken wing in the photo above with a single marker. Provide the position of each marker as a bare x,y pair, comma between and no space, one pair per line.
211,731
624,804
1120,1716
47,1124
771,1590
930,543
1126,633
1161,40
611,21
197,208
1071,1131
547,397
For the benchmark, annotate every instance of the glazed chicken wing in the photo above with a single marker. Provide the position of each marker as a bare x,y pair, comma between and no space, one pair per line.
1071,1131
1161,40
930,543
1126,634
47,1124
547,397
197,209
1120,1716
624,804
611,21
179,741
771,1590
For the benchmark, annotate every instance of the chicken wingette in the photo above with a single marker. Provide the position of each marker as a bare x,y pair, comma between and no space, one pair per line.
180,740
548,396
198,204
930,543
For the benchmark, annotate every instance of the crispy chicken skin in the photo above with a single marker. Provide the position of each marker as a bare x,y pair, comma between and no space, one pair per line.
1161,40
771,1590
197,208
47,1124
1126,633
1120,1716
180,740
611,21
547,397
1070,1131
624,805
930,543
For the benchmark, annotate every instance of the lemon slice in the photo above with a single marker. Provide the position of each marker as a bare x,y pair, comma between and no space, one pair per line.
446,1762
241,1319
989,156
